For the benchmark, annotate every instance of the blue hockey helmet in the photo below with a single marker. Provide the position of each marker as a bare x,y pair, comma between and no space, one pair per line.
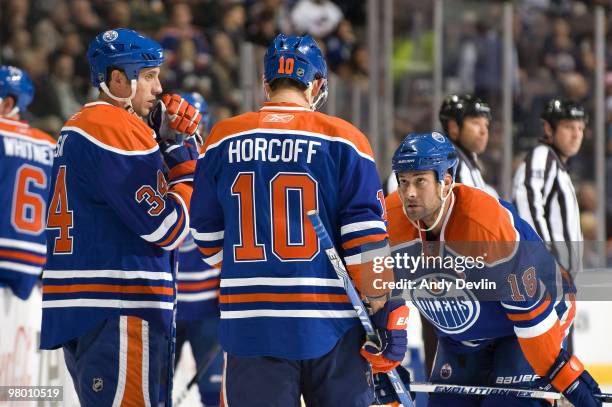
424,152
16,83
123,49
198,101
298,58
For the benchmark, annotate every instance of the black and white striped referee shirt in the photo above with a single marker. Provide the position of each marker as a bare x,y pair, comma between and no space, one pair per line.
545,197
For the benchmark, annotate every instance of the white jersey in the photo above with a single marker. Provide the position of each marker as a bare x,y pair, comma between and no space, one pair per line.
545,197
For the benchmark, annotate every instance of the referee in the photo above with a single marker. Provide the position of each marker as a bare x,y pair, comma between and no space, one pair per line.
543,192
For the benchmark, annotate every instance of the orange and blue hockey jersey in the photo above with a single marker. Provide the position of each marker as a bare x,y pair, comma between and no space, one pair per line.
26,157
113,226
527,298
259,174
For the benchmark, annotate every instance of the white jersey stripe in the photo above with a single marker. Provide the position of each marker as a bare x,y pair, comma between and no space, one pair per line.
289,313
207,237
281,282
107,303
194,297
122,374
163,228
19,244
545,325
20,268
198,275
358,226
120,274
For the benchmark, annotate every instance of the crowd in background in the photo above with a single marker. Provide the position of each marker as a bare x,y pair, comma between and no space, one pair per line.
553,50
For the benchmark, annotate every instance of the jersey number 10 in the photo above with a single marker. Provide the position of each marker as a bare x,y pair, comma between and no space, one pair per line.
249,249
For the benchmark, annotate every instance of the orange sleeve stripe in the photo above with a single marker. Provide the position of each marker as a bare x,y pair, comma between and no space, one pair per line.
177,228
533,313
184,168
184,191
198,285
133,394
106,288
541,351
239,298
210,251
31,258
363,240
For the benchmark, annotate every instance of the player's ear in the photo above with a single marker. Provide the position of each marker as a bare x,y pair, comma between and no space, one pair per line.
267,89
453,130
316,87
548,131
7,104
118,82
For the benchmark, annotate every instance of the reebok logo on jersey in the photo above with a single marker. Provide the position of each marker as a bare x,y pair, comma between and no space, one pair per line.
278,118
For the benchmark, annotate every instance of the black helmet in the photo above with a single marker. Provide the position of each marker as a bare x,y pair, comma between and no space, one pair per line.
471,106
448,110
558,109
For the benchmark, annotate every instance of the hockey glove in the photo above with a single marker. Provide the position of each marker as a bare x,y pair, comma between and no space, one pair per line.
568,376
173,115
390,322
385,393
180,156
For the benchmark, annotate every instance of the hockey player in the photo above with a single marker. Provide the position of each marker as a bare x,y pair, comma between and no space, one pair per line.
543,190
26,157
287,326
113,226
197,318
488,335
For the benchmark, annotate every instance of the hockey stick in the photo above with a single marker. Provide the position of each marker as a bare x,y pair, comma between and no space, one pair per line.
371,335
203,368
485,391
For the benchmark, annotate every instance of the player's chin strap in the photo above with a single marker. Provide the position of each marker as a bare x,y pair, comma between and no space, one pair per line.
440,211
321,98
127,102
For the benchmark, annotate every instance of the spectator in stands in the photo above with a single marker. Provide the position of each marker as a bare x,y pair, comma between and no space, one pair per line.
318,18
179,28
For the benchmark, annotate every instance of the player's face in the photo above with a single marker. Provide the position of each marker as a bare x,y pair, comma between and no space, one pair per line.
474,134
568,137
147,89
420,194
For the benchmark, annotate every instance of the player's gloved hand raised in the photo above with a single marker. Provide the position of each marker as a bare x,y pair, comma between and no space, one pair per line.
390,321
385,393
568,376
180,156
173,115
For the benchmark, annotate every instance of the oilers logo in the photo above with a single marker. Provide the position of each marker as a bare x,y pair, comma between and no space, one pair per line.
450,309
110,36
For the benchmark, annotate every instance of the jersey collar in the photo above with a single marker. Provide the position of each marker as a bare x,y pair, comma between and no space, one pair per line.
284,107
